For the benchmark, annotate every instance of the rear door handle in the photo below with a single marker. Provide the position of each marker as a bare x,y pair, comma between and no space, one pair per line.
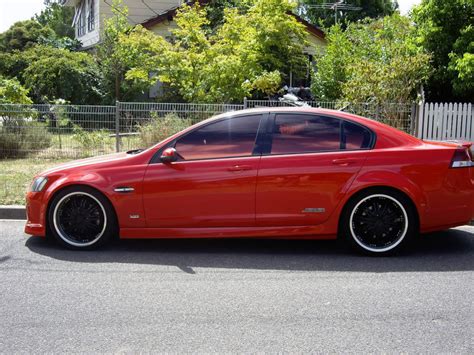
239,168
343,161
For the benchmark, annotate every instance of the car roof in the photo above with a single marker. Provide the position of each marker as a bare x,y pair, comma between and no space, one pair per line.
387,136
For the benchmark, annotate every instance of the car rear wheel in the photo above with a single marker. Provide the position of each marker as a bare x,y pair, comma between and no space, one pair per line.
81,218
379,222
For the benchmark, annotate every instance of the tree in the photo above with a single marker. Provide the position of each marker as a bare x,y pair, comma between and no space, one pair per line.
326,17
444,28
23,35
12,92
58,18
53,73
248,52
114,59
461,63
376,61
215,10
332,66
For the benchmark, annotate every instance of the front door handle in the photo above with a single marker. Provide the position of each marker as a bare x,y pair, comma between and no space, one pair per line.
343,161
239,168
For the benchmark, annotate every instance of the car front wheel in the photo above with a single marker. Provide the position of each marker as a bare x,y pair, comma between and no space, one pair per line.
379,222
81,218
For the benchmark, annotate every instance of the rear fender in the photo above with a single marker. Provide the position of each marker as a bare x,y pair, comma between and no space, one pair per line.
377,178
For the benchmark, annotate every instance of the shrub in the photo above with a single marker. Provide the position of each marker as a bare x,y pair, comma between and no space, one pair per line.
160,128
91,142
19,137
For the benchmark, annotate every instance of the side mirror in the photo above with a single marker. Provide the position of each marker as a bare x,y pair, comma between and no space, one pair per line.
169,155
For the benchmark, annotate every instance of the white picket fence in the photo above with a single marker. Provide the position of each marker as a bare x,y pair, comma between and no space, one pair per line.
446,121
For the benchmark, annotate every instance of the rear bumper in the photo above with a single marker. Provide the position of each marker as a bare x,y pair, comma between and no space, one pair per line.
452,203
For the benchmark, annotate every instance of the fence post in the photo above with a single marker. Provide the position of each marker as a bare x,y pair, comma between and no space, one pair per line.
245,103
117,126
414,119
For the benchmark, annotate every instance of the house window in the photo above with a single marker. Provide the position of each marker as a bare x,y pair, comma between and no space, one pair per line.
91,17
81,24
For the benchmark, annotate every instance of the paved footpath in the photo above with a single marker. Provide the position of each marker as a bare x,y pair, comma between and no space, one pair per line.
235,296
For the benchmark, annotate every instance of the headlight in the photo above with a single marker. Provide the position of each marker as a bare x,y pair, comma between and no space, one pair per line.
38,184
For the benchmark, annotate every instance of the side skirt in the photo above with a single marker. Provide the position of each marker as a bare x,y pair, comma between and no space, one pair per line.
287,232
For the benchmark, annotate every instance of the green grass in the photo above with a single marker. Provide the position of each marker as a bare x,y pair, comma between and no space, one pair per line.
16,176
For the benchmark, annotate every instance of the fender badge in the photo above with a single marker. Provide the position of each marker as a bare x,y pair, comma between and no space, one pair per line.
314,210
134,216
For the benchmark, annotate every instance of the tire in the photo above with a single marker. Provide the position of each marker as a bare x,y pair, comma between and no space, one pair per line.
379,222
81,218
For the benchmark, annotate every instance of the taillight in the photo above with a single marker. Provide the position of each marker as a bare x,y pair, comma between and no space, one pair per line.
462,158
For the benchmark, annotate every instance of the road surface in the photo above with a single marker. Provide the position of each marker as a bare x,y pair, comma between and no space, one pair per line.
235,296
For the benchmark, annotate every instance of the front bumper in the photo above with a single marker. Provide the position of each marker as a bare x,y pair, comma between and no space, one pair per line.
35,214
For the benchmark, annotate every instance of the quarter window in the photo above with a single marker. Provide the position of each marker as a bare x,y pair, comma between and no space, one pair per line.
232,137
355,136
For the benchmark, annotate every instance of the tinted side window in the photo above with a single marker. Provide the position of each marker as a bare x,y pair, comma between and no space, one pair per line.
355,136
305,133
232,137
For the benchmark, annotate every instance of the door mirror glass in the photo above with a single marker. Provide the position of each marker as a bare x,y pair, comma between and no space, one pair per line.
169,155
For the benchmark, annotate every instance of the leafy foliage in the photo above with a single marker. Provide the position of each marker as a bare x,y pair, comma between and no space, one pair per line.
114,59
90,141
19,133
53,73
332,66
23,35
445,28
376,61
247,53
58,18
19,137
12,92
461,63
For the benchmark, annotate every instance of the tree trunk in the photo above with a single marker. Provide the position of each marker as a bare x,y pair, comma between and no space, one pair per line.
117,86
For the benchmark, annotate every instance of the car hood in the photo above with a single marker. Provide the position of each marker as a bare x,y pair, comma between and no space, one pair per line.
88,162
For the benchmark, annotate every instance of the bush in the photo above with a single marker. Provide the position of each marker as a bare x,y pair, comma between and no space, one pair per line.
160,128
19,137
93,141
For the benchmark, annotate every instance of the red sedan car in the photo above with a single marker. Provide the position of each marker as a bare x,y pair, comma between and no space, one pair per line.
296,173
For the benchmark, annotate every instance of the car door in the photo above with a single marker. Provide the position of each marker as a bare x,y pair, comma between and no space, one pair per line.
213,185
310,162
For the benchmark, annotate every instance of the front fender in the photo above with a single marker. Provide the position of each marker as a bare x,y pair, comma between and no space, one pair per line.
128,206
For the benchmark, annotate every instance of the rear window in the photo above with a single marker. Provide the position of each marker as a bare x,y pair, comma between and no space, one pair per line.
296,133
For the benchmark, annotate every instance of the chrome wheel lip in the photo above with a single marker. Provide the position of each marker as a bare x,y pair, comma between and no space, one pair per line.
60,232
391,246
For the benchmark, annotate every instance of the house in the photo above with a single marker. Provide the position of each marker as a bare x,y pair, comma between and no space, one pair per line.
158,17
90,15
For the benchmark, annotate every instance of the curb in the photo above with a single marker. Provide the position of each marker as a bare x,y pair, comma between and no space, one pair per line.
13,212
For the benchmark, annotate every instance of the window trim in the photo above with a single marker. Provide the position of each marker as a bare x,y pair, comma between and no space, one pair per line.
257,147
271,123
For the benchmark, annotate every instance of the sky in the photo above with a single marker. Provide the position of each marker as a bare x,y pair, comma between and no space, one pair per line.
12,11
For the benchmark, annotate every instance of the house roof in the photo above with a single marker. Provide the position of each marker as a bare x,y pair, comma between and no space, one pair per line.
171,13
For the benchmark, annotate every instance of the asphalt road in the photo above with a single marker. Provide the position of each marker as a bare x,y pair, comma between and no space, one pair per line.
235,296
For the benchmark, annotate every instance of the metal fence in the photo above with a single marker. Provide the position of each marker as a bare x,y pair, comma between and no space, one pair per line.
35,137
74,131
